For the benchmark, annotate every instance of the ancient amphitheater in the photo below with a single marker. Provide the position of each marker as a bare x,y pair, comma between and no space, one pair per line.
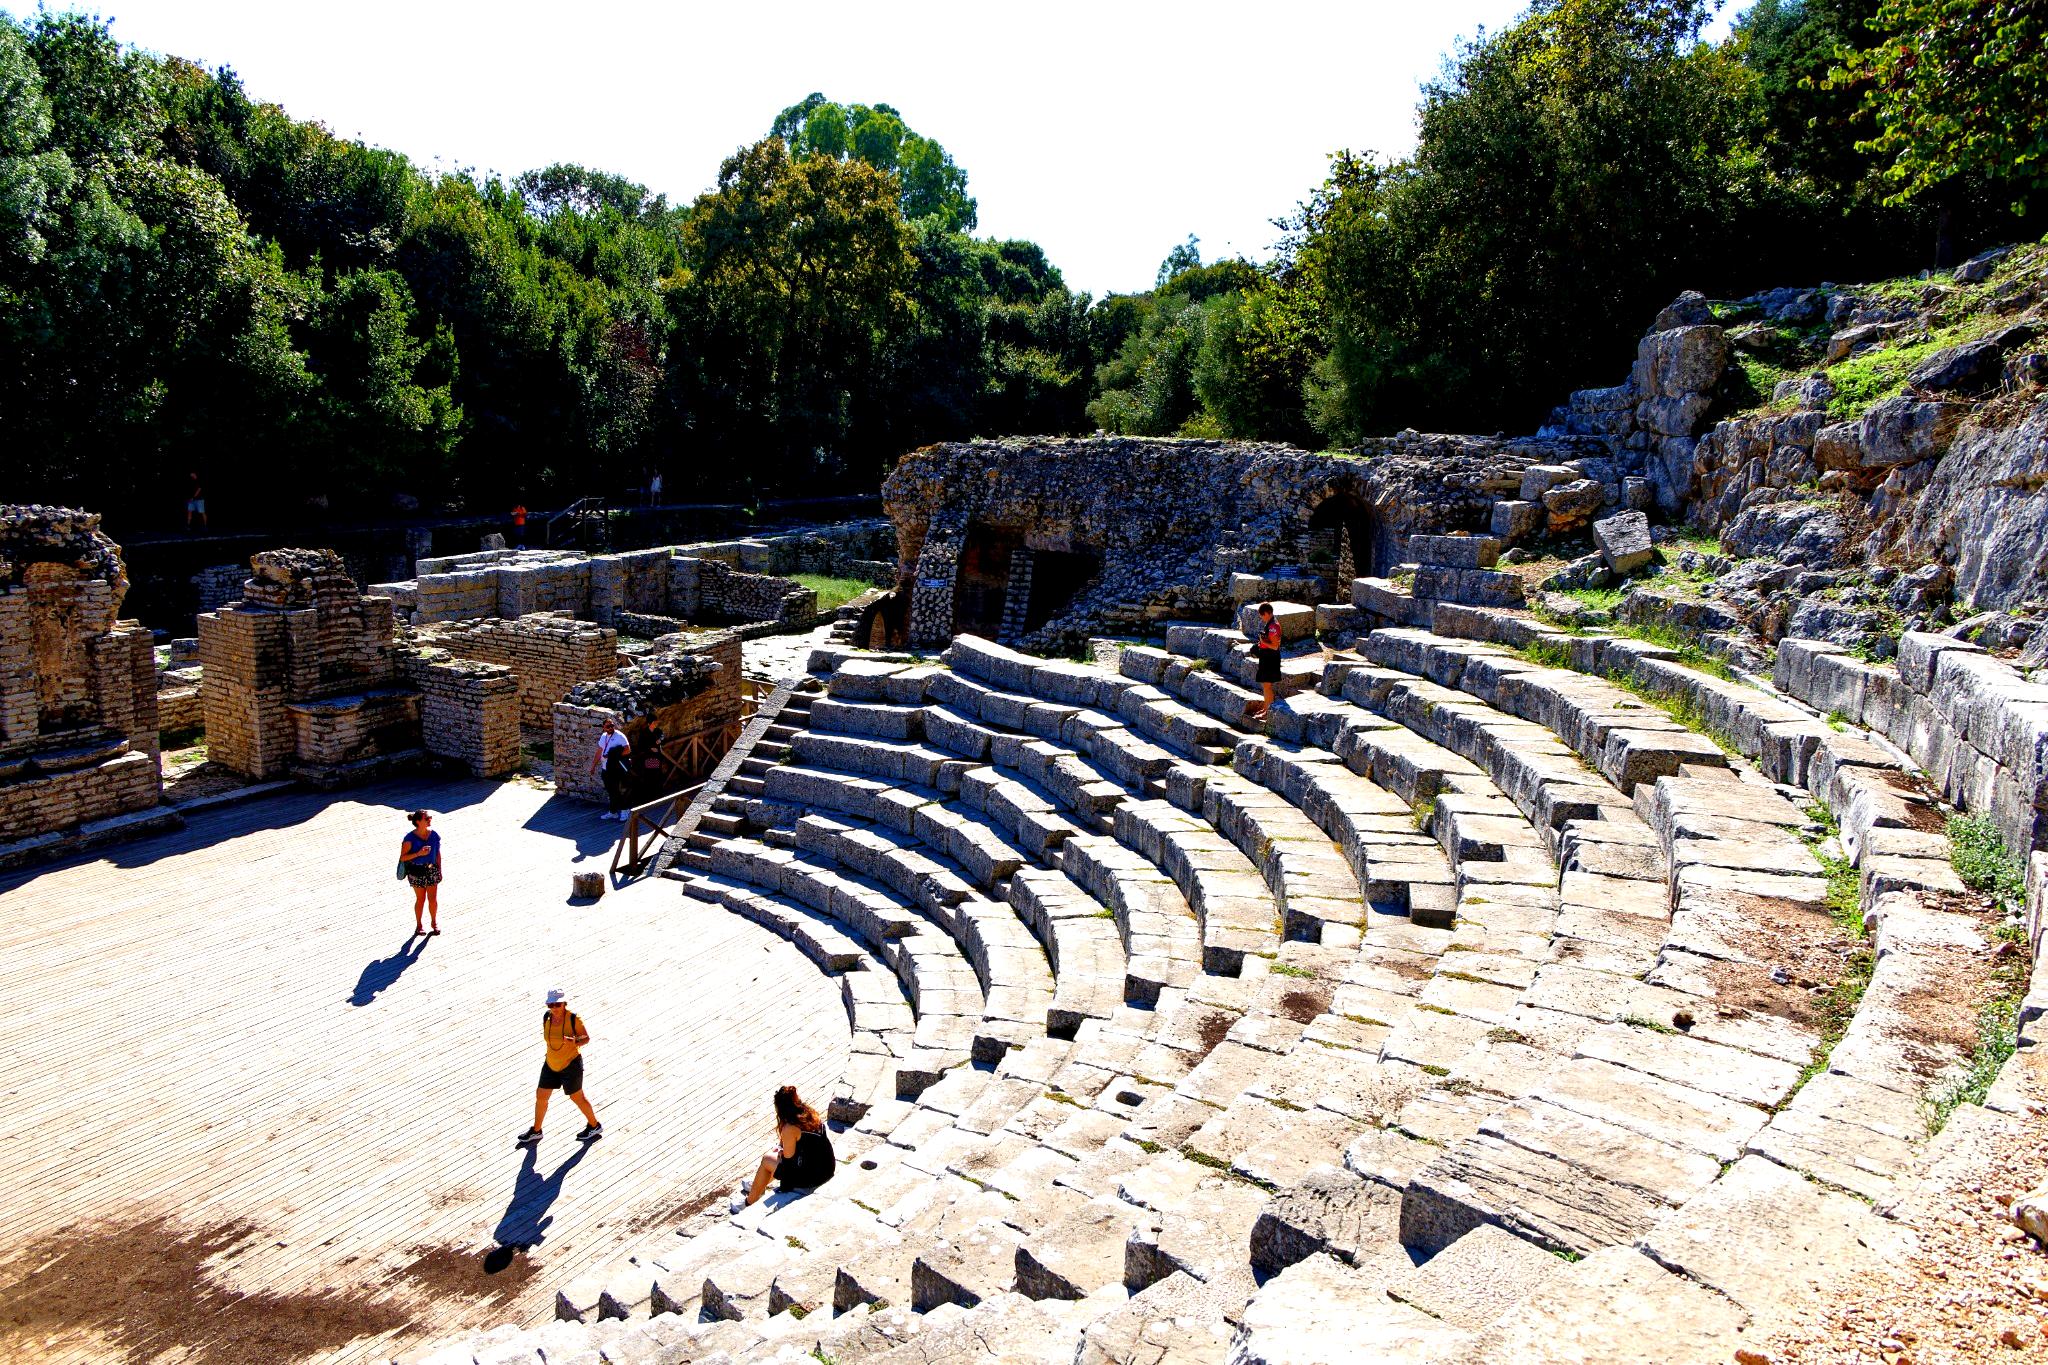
1516,991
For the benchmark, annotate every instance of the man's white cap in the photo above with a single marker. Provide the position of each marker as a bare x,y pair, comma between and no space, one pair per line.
557,996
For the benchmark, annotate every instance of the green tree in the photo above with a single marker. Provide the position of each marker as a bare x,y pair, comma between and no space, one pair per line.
800,268
33,174
1957,89
932,186
1572,172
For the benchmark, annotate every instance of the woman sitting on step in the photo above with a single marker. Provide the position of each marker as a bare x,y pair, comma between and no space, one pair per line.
802,1159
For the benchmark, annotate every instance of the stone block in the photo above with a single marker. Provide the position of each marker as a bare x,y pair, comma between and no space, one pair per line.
1538,479
1514,520
1624,541
1455,552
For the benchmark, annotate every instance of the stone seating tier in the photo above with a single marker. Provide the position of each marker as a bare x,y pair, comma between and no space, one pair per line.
1504,1002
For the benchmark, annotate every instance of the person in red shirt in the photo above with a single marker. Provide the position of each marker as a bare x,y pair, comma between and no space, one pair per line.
519,523
1266,649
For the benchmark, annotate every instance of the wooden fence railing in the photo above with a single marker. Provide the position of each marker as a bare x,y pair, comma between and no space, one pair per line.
685,759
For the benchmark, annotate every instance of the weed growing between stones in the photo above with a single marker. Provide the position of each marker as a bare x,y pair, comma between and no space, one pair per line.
1424,814
1839,1007
1997,1039
1289,969
1981,859
1680,706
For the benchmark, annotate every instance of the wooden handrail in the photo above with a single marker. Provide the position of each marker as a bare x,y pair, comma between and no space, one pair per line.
686,757
652,820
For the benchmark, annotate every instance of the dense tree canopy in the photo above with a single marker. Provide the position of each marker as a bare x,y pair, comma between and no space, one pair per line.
194,282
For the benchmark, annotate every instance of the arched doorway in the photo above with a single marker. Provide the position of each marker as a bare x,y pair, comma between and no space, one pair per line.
1343,540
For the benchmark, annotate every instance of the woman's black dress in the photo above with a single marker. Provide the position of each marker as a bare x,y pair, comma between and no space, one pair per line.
810,1166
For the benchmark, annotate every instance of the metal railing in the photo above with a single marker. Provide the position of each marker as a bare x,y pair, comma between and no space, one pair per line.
575,516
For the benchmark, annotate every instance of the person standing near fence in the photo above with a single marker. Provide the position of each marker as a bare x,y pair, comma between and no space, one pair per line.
613,761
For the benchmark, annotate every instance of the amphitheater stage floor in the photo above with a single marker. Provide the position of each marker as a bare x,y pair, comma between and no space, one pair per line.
246,1120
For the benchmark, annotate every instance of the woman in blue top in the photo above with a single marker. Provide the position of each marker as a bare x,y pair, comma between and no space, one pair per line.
420,851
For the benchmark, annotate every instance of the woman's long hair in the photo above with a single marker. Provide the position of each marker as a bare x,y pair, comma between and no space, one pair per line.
791,1110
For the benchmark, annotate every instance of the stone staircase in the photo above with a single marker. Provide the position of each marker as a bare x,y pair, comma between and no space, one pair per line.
1461,1011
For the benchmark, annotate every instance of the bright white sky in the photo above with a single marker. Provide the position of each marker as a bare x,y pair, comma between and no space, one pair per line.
1105,131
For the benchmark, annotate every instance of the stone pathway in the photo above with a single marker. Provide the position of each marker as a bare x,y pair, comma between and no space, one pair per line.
247,1118
782,657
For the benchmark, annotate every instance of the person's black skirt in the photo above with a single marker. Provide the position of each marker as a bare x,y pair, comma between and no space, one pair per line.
1269,665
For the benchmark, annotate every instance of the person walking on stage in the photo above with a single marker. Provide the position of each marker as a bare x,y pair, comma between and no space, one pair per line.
420,853
614,755
564,1033
802,1156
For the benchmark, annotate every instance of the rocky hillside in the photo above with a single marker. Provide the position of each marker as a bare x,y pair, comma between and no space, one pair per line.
1851,461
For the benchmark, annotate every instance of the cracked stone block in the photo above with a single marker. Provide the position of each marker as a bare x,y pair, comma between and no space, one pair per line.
1477,1278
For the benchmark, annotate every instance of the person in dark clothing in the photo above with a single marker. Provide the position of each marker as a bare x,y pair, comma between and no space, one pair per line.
802,1156
1266,649
614,756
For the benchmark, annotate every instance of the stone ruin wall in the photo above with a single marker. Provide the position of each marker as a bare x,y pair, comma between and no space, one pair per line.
690,689
749,582
712,591
303,678
1173,520
548,654
78,719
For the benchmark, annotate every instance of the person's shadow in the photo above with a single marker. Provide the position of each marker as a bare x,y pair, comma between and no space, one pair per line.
385,970
526,1217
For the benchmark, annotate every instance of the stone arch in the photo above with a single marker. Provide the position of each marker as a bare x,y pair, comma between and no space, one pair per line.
1343,538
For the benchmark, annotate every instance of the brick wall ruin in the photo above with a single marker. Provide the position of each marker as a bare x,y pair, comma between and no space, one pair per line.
78,718
746,580
469,710
302,678
714,592
548,654
693,690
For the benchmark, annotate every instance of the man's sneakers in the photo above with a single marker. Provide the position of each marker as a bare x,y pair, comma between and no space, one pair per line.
591,1132
738,1200
528,1138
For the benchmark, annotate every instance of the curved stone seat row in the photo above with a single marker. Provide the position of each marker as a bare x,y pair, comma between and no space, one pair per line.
1570,1064
1742,881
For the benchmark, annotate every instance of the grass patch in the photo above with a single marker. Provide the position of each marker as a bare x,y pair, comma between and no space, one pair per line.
1289,969
1839,1007
1639,1021
1147,1147
1059,1097
1844,906
1547,653
1864,380
1998,1037
1981,859
1506,1035
797,1243
1594,599
833,593
1424,814
185,737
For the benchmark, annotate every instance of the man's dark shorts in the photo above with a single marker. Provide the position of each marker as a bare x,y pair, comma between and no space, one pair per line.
569,1080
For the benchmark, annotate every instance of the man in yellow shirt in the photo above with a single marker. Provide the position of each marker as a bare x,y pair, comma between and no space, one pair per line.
563,1032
